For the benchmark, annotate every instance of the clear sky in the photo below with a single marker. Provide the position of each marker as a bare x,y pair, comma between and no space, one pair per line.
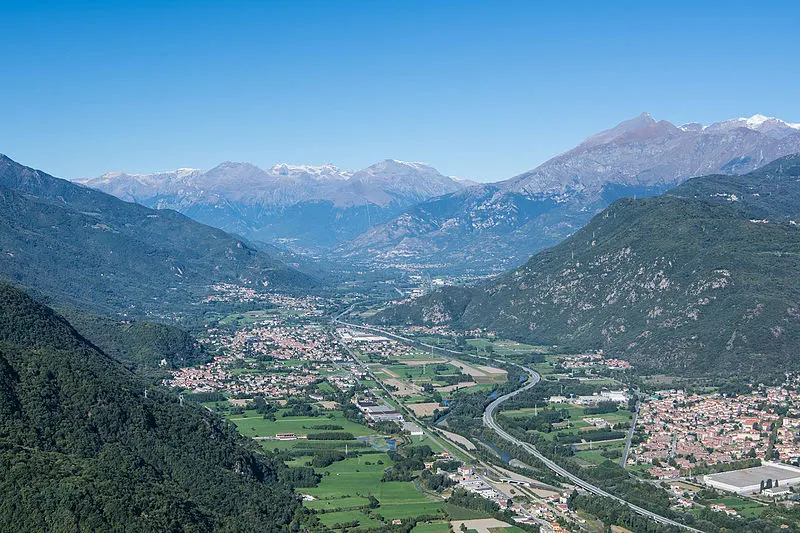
481,90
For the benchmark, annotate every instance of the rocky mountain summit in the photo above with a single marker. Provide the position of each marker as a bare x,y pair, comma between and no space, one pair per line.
310,206
497,226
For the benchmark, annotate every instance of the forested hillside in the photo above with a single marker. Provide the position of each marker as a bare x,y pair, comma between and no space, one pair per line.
83,449
699,280
79,247
147,348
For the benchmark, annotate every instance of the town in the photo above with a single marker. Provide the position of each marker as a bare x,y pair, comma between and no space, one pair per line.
337,383
681,431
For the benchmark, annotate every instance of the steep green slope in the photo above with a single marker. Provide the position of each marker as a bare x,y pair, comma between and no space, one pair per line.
699,280
147,348
82,449
84,248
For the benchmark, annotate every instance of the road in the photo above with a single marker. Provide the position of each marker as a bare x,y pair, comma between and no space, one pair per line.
631,431
408,413
489,421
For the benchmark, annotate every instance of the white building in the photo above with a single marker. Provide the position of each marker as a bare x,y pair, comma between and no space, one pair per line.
749,480
412,428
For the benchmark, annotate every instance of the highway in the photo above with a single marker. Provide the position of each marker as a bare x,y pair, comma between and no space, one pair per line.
623,461
489,421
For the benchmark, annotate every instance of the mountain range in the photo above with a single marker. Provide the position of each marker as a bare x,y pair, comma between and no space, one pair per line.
78,247
498,226
309,207
700,280
398,212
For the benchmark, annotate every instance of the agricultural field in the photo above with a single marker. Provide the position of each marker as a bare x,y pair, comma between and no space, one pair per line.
594,454
250,318
252,424
433,527
575,428
747,508
346,484
343,517
460,513
411,378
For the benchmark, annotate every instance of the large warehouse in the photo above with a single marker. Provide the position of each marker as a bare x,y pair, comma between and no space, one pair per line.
748,480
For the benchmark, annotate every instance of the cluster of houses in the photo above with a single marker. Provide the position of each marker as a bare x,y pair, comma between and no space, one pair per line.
271,357
690,429
593,360
231,292
217,376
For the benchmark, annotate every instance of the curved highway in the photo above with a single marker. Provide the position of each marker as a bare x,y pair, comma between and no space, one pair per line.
489,421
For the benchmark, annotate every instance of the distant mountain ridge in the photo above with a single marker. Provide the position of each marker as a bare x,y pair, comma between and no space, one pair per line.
313,205
82,248
700,280
497,226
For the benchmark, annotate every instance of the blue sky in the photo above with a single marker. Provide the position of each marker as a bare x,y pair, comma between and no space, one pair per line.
481,90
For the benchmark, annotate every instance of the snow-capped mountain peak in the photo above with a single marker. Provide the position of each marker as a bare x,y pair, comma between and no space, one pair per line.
318,172
386,182
758,121
771,126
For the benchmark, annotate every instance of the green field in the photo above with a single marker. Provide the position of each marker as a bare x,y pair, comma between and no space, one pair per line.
595,456
460,513
433,527
342,517
249,318
420,373
621,420
346,485
745,507
326,387
252,424
346,502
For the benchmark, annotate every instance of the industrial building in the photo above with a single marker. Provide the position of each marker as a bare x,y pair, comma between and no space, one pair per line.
752,480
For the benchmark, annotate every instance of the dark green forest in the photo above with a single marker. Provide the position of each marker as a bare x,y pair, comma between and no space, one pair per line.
138,344
82,449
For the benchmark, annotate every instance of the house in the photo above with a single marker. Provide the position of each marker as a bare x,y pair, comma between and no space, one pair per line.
774,492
